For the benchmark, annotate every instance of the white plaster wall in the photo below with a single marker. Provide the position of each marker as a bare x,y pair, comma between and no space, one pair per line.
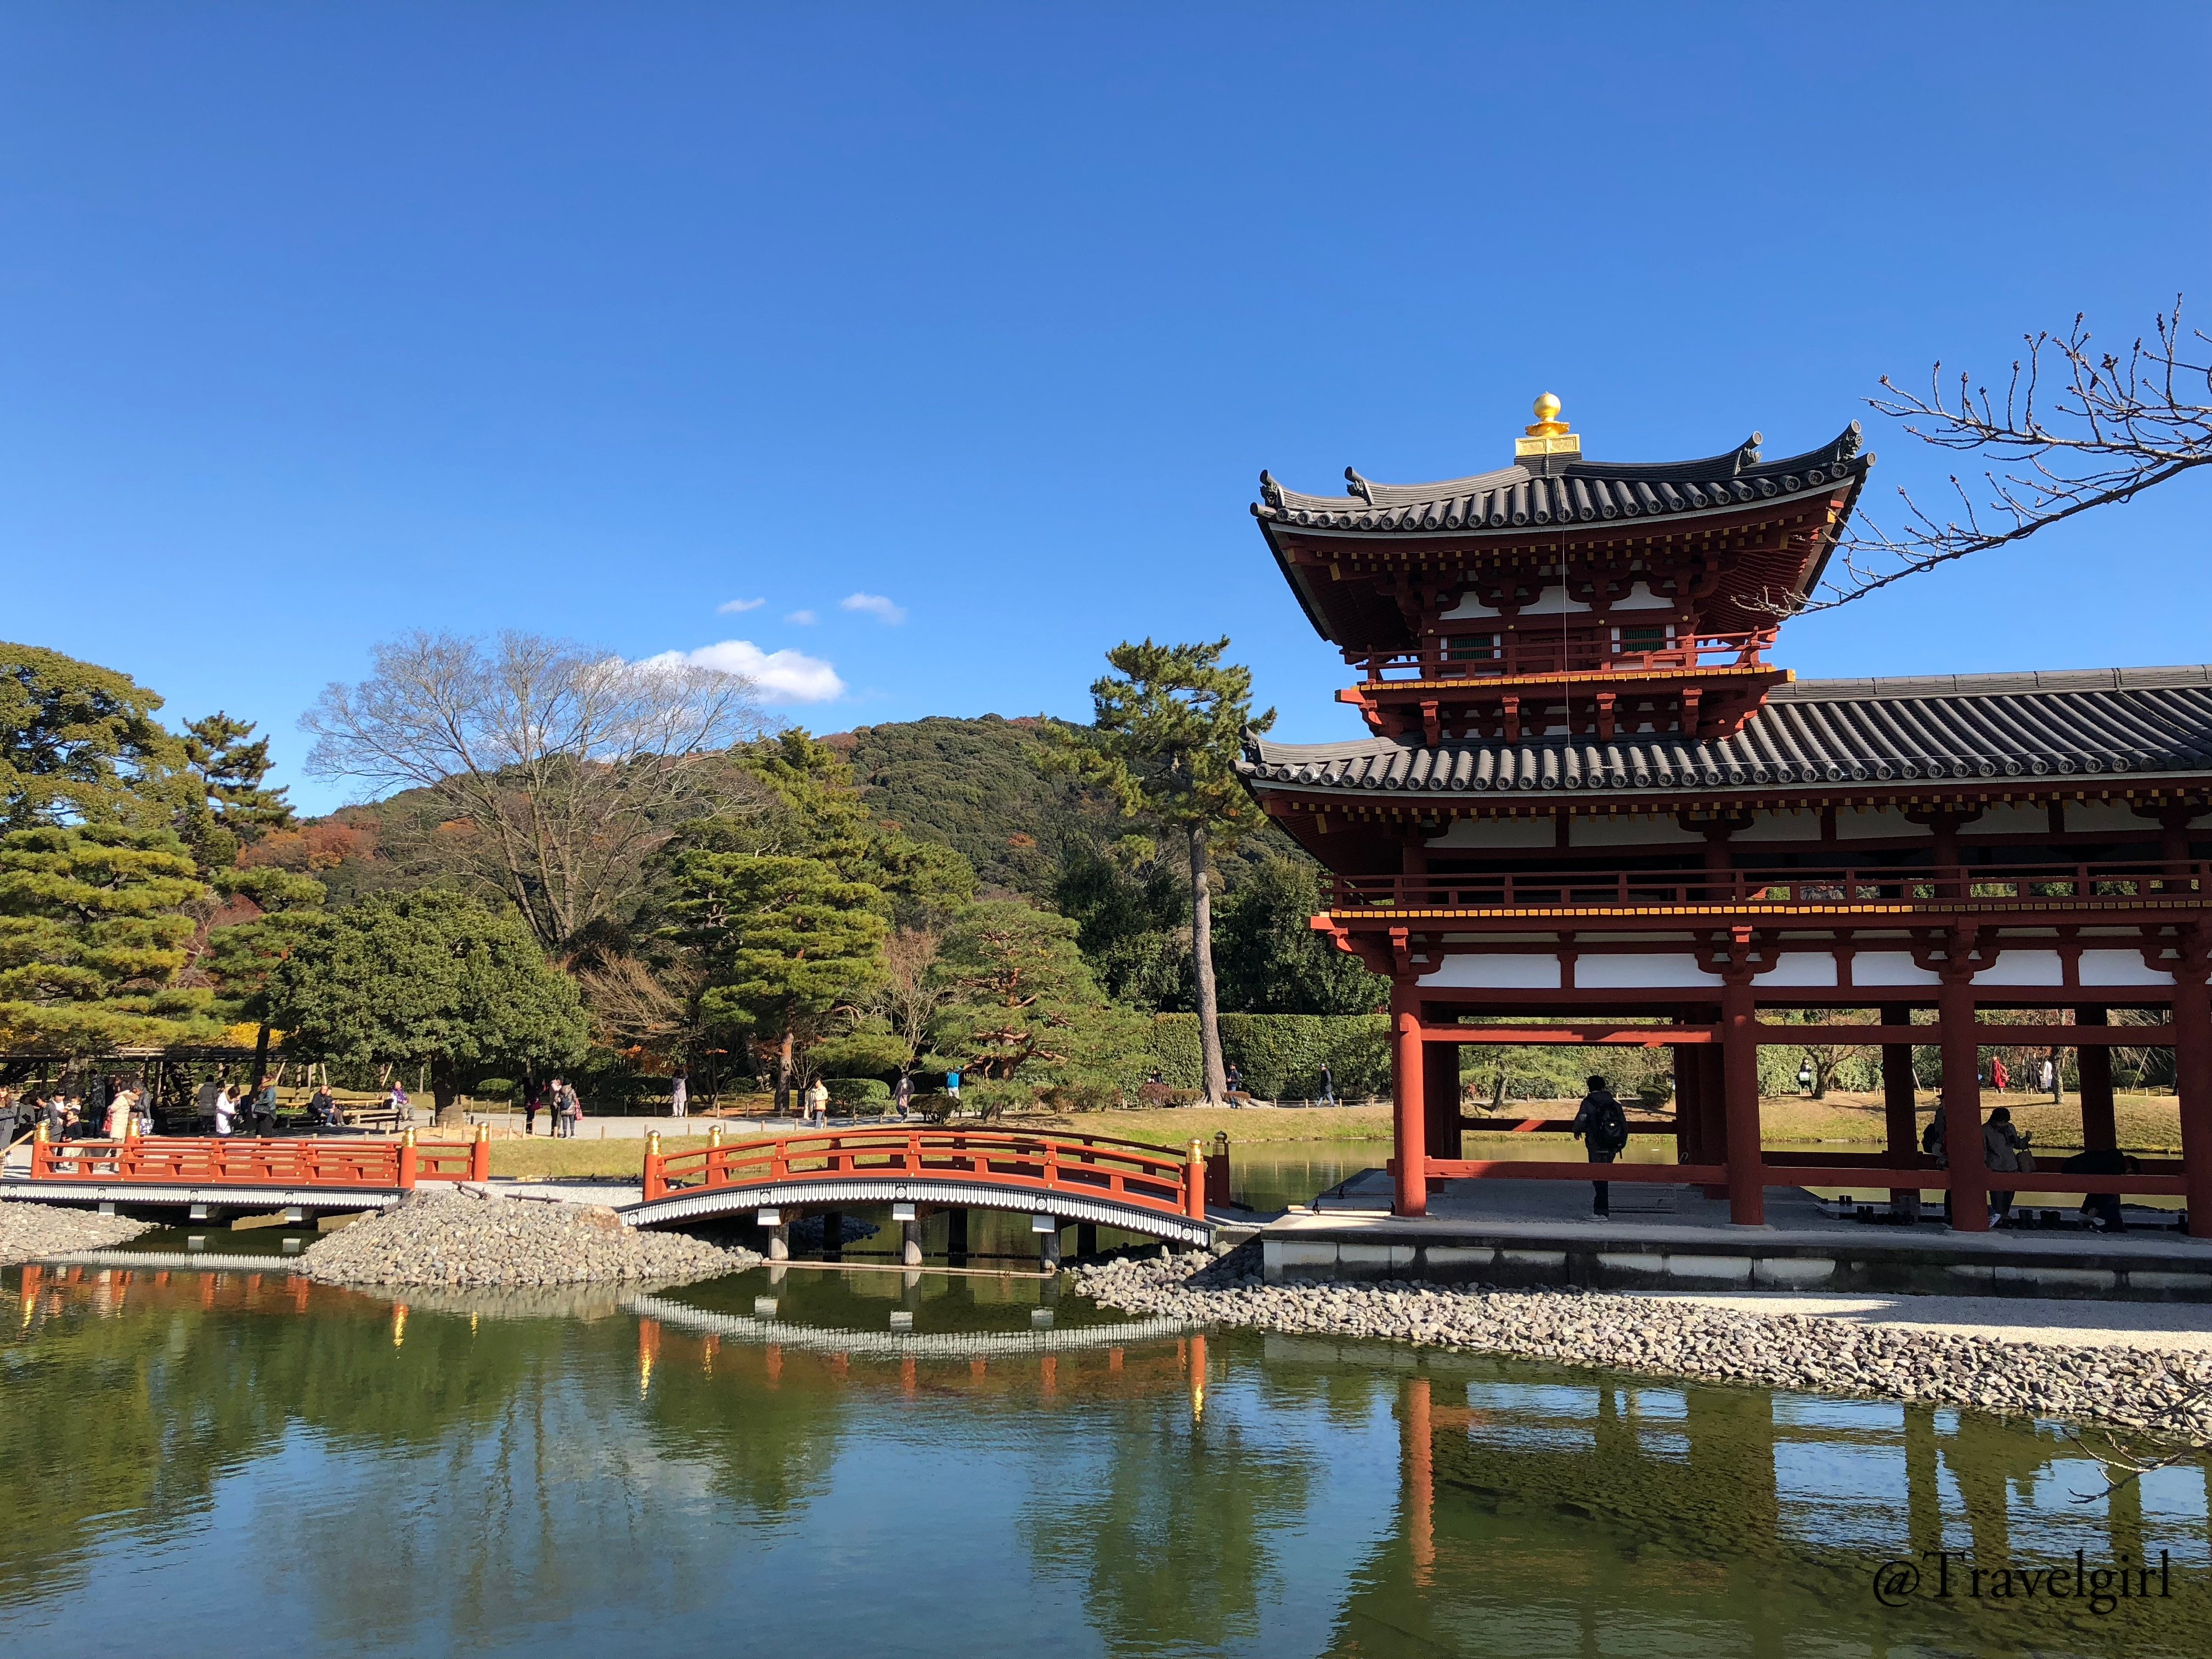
1806,967
1498,832
2010,821
1880,822
1889,968
2120,968
1779,826
2103,817
1630,832
1468,606
1494,973
1596,973
2025,967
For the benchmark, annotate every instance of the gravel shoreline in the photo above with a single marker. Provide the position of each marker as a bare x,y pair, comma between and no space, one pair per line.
462,1240
30,1230
2168,1394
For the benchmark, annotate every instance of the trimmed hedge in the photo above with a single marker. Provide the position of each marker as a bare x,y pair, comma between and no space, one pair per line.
1281,1055
852,1092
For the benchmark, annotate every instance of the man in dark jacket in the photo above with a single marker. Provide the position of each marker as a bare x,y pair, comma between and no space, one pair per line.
1603,1127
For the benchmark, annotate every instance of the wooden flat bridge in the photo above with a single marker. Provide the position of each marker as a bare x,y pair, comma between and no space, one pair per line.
167,1170
1074,1178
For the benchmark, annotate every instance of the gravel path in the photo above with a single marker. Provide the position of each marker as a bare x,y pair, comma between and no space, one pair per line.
29,1231
2126,1387
463,1240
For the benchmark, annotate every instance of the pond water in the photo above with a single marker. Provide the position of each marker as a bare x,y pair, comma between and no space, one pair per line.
870,1462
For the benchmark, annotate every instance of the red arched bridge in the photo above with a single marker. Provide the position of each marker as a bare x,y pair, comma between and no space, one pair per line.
1076,1178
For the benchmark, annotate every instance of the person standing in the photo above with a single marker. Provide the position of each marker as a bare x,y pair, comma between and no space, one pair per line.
818,1103
1602,1127
225,1110
119,1106
575,1104
2000,1079
952,1091
2002,1148
903,1097
679,1094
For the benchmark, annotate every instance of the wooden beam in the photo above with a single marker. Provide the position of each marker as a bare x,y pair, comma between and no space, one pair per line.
1633,1036
1985,1036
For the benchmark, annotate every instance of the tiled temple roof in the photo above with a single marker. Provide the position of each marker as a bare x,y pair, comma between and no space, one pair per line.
1568,491
1815,732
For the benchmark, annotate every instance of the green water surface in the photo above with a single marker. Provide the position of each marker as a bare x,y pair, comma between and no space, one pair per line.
227,1462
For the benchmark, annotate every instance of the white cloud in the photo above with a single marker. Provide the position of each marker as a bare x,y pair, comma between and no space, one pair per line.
804,619
876,606
784,675
736,606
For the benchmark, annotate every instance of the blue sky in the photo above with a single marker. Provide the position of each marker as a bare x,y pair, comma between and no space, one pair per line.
964,330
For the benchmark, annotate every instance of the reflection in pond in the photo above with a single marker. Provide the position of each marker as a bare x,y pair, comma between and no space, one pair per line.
769,1459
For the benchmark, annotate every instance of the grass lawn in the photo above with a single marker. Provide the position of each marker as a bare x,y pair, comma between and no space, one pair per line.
544,1156
2147,1124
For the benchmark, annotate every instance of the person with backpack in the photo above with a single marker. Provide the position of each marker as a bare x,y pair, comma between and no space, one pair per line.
1602,1127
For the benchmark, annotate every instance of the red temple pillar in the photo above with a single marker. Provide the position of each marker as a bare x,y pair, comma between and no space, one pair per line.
1409,1100
1962,1102
1746,1171
2100,1133
1689,1124
1900,1122
1440,1098
1712,1108
2192,1089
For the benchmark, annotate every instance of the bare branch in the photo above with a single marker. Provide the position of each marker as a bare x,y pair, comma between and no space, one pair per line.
2114,429
570,766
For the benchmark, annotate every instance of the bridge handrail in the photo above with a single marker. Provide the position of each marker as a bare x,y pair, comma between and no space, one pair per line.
247,1161
1090,1166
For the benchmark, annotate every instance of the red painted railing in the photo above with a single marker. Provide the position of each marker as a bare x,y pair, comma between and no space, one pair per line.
2102,885
1792,1170
1076,1166
1541,651
238,1161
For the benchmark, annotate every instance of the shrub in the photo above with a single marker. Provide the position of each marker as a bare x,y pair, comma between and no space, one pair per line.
493,1088
1281,1055
1084,1097
858,1094
990,1100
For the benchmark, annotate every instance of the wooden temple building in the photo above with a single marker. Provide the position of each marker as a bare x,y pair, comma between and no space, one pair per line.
1590,796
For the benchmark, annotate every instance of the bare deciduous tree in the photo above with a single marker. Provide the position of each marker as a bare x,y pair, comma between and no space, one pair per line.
2111,431
911,995
571,766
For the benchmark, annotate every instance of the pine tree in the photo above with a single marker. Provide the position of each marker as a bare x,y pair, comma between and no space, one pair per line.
94,932
1165,740
1023,1006
79,743
787,943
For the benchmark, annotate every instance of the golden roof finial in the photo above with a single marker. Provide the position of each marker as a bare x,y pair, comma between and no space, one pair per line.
1550,435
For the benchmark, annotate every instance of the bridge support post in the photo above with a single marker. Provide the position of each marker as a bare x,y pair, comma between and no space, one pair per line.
778,1239
833,1233
1049,1251
1086,1238
956,1235
910,1244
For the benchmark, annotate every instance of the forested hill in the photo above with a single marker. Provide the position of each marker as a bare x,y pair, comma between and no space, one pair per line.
976,786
